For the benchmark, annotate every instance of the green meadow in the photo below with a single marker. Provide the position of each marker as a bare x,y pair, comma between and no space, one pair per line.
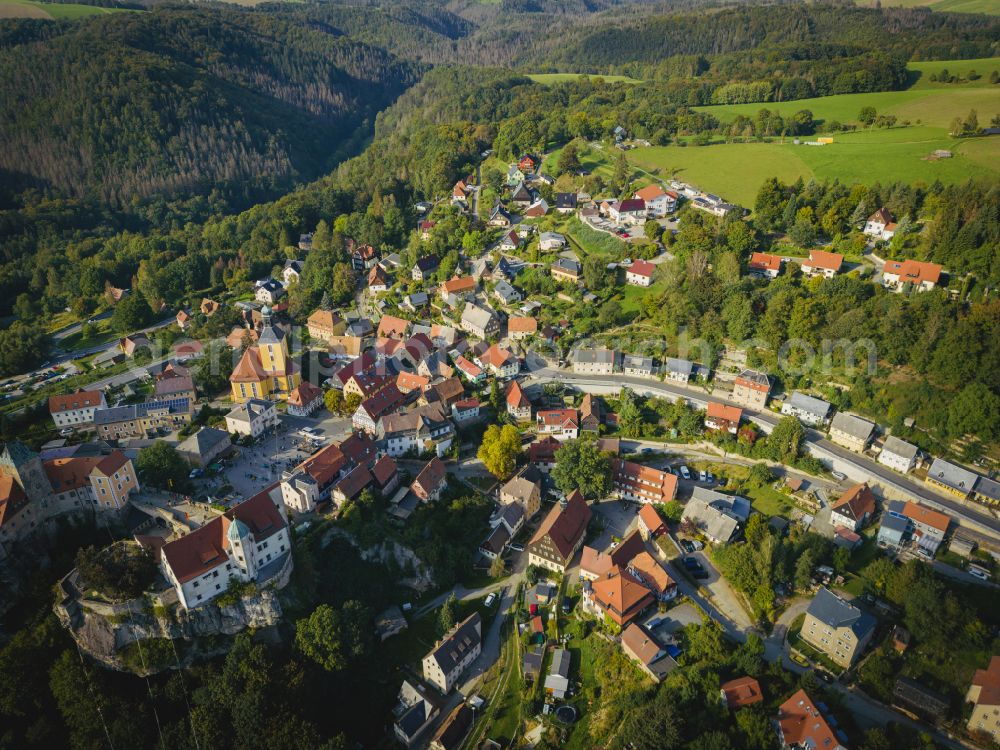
961,68
52,11
943,6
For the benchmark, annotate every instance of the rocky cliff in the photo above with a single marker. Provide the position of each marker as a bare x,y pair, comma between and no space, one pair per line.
403,557
133,637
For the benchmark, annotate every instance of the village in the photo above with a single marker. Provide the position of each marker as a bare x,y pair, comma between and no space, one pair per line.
443,378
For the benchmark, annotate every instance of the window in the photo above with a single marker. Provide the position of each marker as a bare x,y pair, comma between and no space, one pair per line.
218,586
196,586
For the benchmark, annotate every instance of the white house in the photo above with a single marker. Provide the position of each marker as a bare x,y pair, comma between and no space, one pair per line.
640,273
76,410
678,370
880,225
269,291
630,211
454,653
822,263
254,417
292,271
551,241
638,367
898,455
499,362
921,276
807,409
246,543
479,321
659,202
594,361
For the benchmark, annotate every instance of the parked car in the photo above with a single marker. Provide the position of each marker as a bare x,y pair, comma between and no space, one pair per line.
838,475
703,476
686,545
691,563
697,545
981,573
490,599
517,547
685,473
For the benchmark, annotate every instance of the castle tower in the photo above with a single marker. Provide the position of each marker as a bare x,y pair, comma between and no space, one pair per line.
242,547
25,466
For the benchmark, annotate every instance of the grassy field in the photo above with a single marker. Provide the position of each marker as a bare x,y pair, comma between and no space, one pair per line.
943,6
961,68
737,170
549,78
51,11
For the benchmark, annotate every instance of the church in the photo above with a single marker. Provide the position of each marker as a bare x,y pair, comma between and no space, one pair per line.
265,371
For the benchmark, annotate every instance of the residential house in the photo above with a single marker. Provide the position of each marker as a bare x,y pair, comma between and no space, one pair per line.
853,433
351,486
424,268
418,706
249,542
567,270
651,525
722,417
499,217
880,225
426,227
893,531
510,241
764,264
454,728
560,534
522,491
454,653
837,628
206,445
551,241
518,405
266,369
640,273
241,338
458,288
640,646
801,726
252,418
106,481
716,516
807,409
431,481
984,695
506,293
591,417
637,367
408,382
595,565
557,680
172,387
950,478
532,665
390,327
629,211
854,508
269,291
822,263
527,164
132,344
658,202
566,203
562,424
363,257
499,362
385,476
741,692
678,370
141,420
906,522
366,417
542,453
208,307
986,491
619,596
416,301
446,393
520,195
76,410
594,361
466,411
183,319
479,321
292,271
521,328
304,399
537,209
642,484
898,454
469,370
459,192
651,574
751,389
417,430
378,280
917,275
508,268
313,481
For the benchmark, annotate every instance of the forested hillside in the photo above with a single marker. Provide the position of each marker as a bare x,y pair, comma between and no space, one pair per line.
173,102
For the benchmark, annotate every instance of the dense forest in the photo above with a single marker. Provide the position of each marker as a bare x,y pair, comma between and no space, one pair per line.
124,107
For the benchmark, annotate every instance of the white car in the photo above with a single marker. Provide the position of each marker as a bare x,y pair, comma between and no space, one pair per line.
981,573
309,432
490,599
702,476
685,473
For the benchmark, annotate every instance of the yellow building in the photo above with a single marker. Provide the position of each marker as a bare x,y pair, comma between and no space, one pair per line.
265,370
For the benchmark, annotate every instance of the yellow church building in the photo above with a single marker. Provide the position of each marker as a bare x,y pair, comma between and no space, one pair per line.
265,370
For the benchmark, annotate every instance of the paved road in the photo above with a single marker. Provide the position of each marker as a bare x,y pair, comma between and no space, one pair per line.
988,525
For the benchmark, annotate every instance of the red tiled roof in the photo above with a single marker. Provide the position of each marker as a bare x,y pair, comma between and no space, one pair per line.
988,680
304,393
642,268
408,381
431,476
249,369
384,470
631,204
623,595
515,396
565,526
803,725
383,402
469,368
743,691
558,417
650,192
78,400
924,515
522,325
543,450
496,357
640,643
459,285
649,516
391,327
658,486
765,262
824,259
357,366
723,412
855,502
914,271
12,498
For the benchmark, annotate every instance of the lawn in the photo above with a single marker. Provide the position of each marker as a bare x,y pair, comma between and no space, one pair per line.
942,6
632,296
548,79
102,335
770,502
961,68
52,11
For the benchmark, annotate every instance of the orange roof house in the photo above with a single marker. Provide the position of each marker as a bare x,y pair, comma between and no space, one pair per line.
393,328
800,724
621,597
823,262
722,417
853,508
209,307
743,691
765,263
